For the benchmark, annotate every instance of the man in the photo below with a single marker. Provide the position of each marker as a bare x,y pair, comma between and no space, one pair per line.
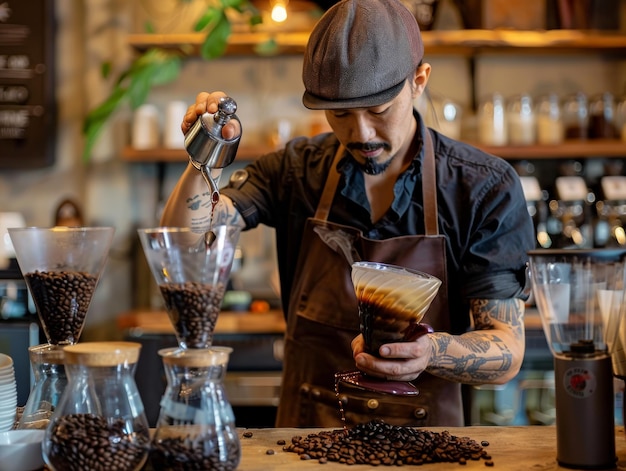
398,193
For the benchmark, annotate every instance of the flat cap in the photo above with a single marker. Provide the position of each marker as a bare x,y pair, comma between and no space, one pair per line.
359,54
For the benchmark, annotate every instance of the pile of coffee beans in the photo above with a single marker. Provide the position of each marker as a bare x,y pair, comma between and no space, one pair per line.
87,441
62,299
195,454
193,309
379,444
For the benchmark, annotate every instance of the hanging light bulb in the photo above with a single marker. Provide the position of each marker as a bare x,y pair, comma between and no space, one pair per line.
279,10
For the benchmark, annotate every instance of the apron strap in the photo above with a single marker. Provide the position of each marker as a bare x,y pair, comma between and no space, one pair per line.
323,208
429,187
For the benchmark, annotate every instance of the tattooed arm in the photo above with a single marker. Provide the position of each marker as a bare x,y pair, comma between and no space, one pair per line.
189,205
491,353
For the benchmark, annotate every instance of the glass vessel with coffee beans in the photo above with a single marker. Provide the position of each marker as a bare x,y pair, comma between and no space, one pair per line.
196,425
62,266
392,302
99,423
192,270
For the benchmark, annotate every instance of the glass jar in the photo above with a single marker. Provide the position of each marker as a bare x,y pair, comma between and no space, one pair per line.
602,117
50,382
576,116
521,120
492,128
549,121
196,425
99,423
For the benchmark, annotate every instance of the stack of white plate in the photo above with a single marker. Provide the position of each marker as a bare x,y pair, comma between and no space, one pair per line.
8,393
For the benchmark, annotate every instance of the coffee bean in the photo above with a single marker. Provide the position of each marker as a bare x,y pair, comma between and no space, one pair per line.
193,309
376,443
280,442
62,300
247,434
194,454
87,441
269,452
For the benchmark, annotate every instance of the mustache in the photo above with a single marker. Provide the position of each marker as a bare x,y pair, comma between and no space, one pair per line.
368,146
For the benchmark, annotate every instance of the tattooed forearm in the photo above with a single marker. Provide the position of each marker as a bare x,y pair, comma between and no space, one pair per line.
508,311
492,353
472,360
203,215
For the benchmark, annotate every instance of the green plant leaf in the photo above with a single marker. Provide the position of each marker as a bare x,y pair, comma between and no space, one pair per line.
209,16
236,4
97,118
105,69
139,87
216,40
104,110
168,70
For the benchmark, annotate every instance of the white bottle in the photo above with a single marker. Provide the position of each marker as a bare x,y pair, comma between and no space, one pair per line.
550,130
521,121
492,128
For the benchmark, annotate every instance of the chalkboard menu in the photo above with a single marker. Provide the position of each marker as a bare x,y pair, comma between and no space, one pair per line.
27,103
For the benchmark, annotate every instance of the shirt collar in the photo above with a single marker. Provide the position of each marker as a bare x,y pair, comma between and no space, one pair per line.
354,185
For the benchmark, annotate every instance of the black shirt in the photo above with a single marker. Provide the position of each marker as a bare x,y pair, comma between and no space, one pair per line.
481,206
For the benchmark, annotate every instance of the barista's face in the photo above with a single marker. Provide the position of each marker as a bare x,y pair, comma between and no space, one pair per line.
376,136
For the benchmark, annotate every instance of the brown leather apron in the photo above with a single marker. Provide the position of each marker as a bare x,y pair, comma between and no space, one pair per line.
323,320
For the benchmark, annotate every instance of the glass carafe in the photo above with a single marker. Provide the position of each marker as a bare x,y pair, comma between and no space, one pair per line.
196,425
47,363
99,423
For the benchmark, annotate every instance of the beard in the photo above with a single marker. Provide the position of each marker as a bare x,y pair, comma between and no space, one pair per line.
371,166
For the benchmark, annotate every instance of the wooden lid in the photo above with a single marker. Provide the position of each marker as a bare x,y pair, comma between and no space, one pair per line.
102,353
196,357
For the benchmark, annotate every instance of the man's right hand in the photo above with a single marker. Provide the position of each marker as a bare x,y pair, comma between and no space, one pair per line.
207,102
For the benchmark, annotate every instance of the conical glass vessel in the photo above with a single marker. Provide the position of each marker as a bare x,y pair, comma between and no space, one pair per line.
62,266
192,271
392,302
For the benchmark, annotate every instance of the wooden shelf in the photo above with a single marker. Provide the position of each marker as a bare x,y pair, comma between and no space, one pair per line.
574,149
463,42
567,150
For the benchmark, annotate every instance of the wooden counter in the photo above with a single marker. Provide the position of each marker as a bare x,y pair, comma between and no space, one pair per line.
511,449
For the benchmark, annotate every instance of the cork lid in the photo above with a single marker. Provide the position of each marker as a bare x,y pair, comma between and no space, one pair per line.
102,353
196,357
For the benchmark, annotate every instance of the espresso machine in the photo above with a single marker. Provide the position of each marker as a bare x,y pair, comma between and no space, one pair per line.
569,222
610,227
537,209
